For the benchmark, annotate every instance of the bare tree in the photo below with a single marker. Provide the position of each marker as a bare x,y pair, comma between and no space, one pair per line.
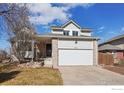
3,55
20,30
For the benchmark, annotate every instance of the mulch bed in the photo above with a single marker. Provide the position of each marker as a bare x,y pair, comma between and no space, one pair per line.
117,69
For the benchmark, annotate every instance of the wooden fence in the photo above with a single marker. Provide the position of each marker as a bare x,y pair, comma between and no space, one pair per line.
105,59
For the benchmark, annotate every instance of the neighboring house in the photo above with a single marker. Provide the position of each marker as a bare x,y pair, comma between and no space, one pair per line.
114,46
69,45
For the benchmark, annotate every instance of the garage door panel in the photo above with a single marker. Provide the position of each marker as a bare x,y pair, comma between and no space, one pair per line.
75,57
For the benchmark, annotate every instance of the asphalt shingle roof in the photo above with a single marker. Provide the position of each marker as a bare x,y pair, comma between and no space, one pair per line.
112,39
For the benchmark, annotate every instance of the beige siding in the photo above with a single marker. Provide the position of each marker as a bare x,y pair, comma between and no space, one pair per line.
86,34
60,32
121,46
118,43
71,44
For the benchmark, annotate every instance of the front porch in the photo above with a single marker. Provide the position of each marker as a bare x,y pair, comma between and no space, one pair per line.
40,52
44,50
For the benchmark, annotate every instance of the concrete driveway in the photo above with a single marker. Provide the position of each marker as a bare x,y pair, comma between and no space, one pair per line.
90,75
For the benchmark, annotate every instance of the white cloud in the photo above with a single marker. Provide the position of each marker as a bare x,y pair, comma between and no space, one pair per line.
112,32
100,31
46,13
122,29
101,28
73,5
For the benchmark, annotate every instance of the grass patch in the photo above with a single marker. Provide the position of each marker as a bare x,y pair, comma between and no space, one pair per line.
7,67
30,76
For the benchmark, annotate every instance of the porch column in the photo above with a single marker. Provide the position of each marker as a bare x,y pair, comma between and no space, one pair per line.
55,53
95,52
32,42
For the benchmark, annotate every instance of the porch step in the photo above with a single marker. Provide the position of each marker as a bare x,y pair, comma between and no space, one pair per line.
48,62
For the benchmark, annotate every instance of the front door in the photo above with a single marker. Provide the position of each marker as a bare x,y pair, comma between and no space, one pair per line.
48,50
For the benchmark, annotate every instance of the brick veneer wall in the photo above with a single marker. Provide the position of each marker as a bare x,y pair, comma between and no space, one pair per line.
95,52
55,52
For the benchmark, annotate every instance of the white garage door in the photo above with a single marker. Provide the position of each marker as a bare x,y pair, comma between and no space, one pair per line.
75,57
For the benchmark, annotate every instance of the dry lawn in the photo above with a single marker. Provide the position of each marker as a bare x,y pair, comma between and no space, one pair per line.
14,75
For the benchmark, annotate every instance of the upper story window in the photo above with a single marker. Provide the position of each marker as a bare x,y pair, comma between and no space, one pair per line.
75,33
66,33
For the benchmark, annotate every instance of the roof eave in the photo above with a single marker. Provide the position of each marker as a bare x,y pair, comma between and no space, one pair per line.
71,37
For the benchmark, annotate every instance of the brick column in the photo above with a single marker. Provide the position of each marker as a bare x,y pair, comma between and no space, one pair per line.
95,52
55,53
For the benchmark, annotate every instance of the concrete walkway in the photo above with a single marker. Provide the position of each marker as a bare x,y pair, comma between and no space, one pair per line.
90,75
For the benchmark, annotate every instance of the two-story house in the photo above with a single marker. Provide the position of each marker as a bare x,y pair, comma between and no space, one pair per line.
69,45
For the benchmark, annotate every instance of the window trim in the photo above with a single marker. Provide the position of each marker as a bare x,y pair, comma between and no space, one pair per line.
75,33
67,33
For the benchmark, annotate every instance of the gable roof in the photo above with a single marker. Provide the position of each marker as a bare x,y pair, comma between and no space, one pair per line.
112,39
69,22
56,28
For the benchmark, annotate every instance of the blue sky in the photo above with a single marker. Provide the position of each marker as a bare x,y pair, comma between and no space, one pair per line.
106,20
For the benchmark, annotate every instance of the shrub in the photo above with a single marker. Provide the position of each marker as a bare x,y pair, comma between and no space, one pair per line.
121,62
